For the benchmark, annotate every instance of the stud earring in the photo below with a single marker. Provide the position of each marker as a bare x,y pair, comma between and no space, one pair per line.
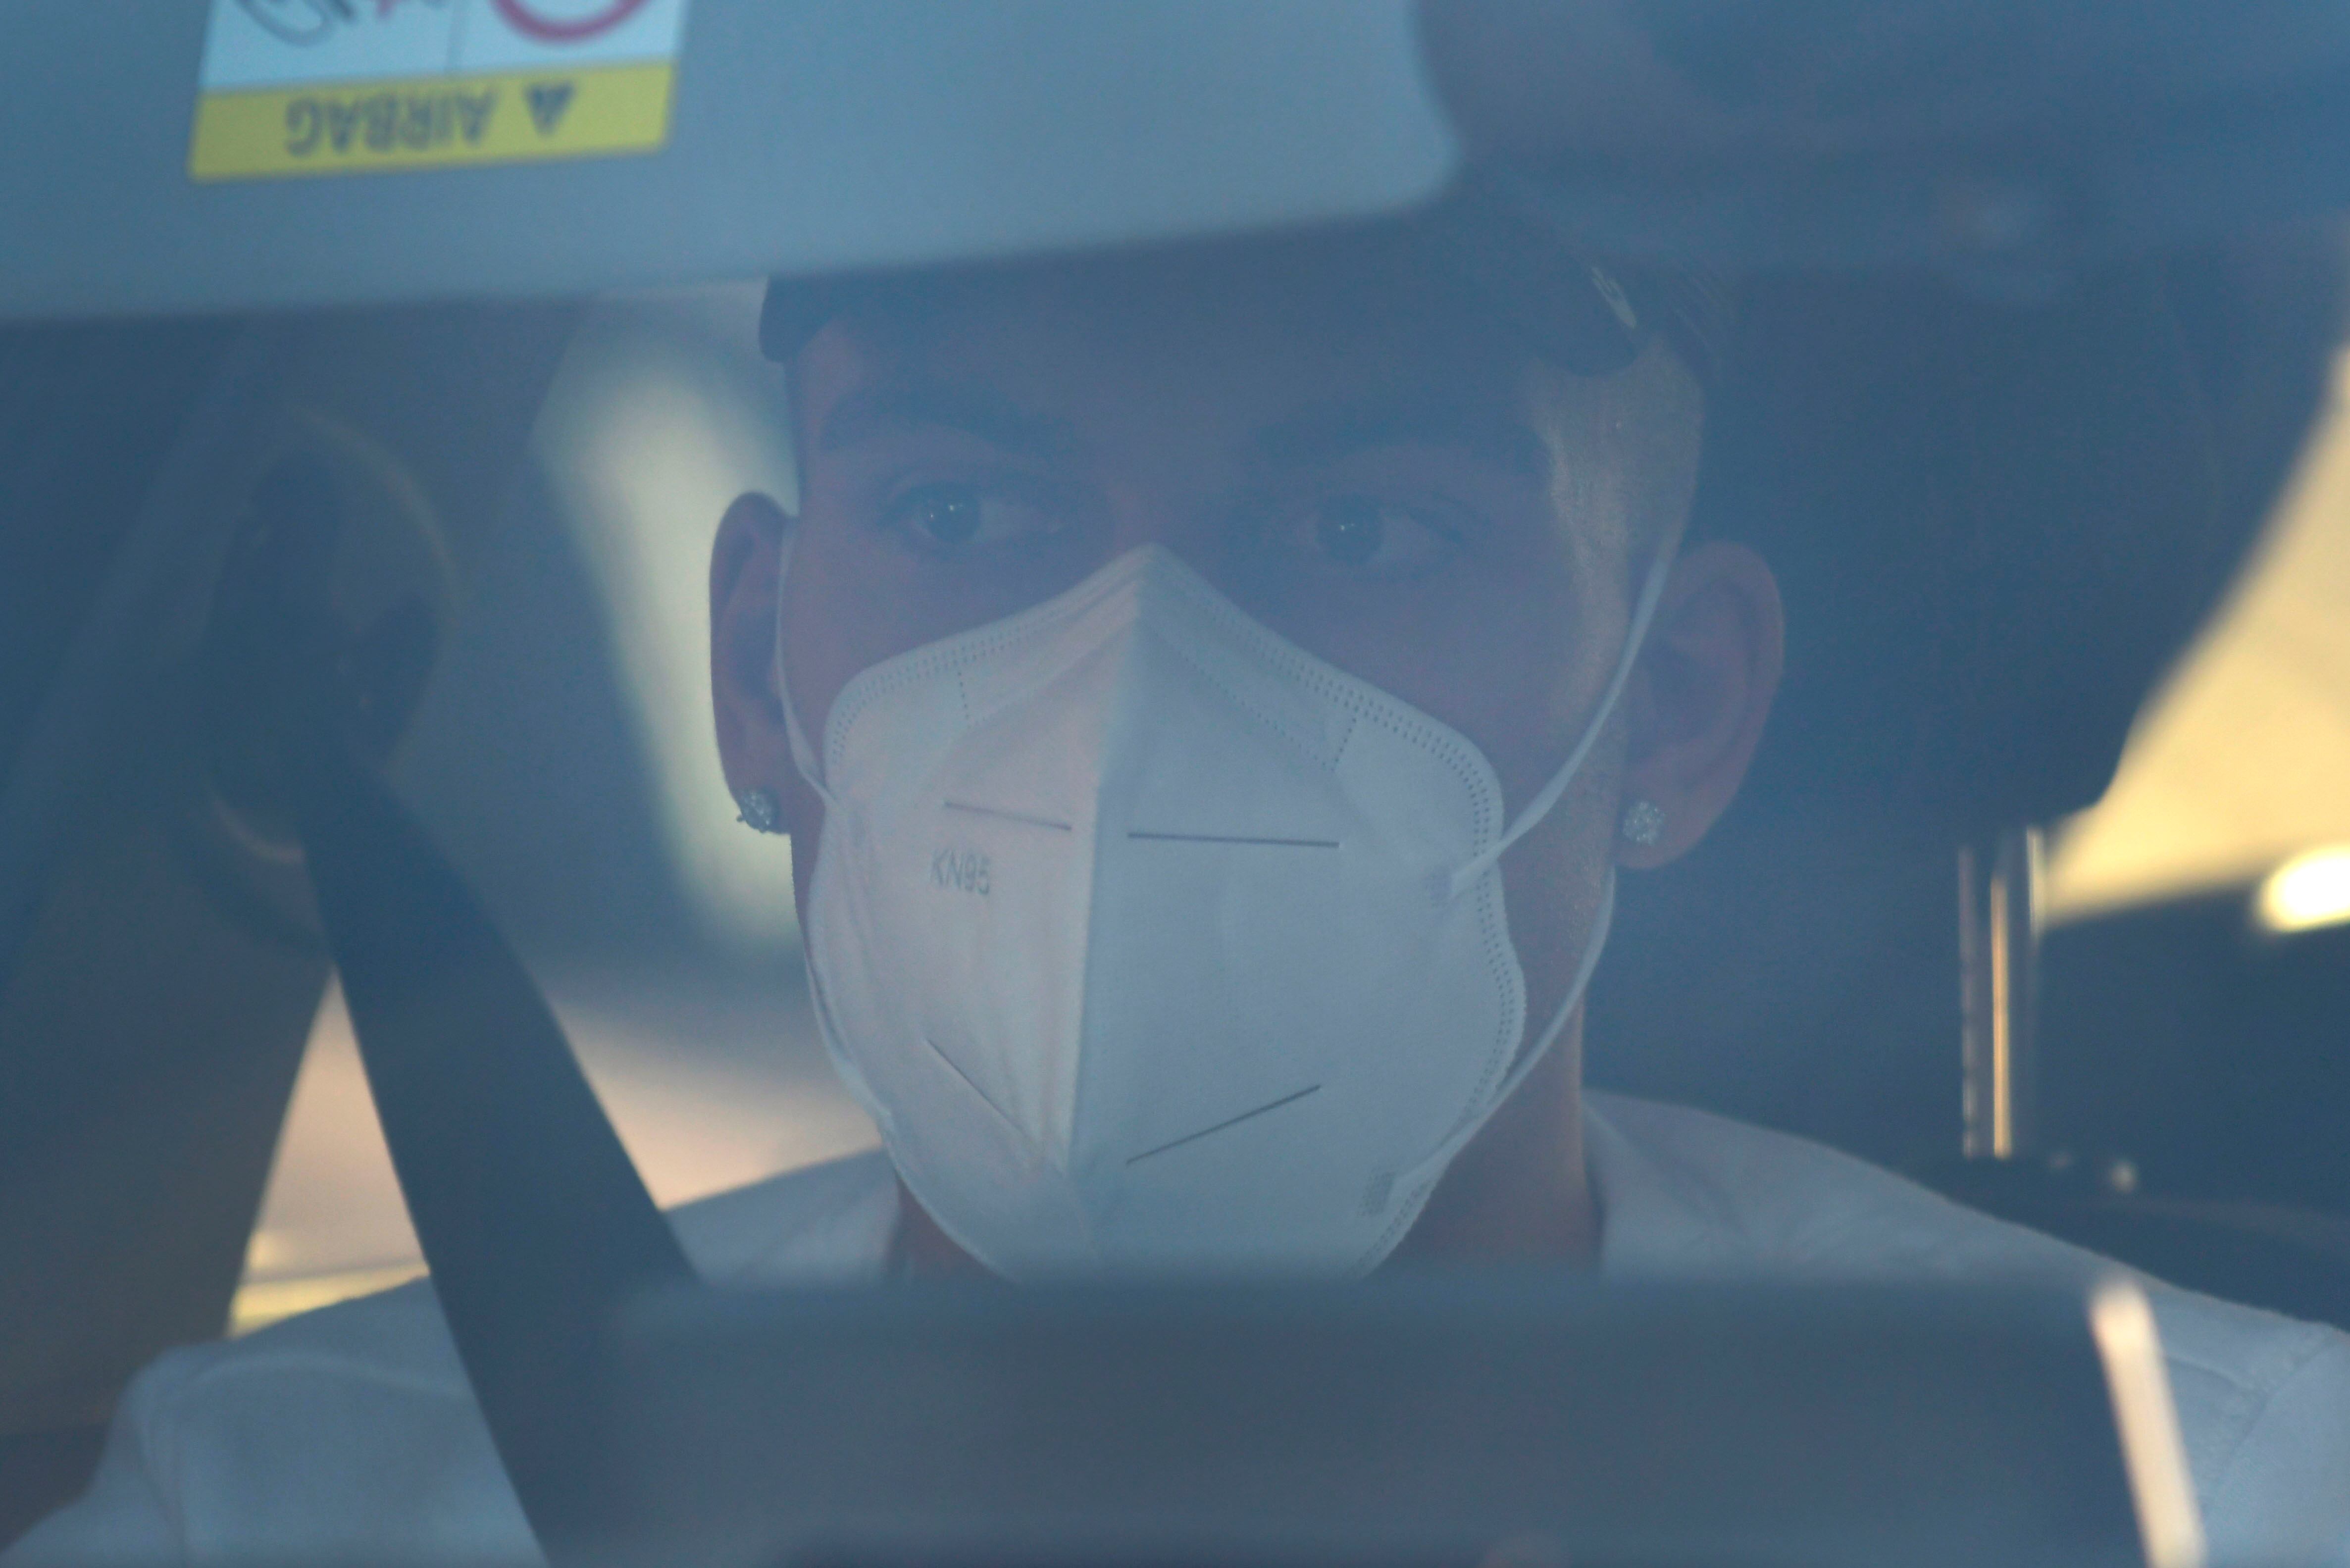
758,810
1643,823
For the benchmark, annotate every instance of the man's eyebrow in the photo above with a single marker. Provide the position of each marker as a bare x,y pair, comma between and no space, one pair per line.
1326,435
894,408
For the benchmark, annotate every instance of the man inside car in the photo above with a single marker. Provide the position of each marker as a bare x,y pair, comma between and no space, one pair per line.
1213,693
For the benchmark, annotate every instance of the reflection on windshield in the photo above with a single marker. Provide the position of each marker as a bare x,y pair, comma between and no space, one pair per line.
703,1053
663,413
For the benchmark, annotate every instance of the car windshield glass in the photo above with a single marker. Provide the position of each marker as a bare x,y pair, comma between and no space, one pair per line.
1574,769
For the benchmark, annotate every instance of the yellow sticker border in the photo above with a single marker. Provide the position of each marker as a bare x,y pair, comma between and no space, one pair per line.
309,129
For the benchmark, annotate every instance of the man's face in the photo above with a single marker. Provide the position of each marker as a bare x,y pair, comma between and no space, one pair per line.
1377,472
1394,487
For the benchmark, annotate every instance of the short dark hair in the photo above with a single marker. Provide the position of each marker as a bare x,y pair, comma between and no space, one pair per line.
1489,240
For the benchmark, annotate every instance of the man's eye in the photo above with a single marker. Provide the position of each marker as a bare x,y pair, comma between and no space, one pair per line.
948,517
1379,538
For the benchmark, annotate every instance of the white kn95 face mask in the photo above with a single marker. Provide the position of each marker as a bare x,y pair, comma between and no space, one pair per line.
1155,944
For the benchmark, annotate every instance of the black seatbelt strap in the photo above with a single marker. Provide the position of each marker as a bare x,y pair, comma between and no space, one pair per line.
534,1221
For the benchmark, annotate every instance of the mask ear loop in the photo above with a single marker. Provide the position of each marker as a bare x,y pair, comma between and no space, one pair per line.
1644,612
804,755
1587,966
1425,1173
1422,1175
804,758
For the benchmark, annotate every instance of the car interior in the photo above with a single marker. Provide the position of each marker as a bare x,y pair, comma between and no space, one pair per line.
351,636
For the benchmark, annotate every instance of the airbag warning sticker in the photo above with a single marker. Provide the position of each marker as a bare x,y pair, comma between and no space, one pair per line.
340,86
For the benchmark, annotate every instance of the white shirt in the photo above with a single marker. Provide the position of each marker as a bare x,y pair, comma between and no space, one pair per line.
349,1435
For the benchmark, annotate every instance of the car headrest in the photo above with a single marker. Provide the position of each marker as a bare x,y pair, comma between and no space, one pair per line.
1996,523
1995,526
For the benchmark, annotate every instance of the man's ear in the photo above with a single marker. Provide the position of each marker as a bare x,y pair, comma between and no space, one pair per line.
1700,693
745,574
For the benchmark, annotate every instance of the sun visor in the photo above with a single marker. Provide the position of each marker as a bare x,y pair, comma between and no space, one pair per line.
204,155
210,155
